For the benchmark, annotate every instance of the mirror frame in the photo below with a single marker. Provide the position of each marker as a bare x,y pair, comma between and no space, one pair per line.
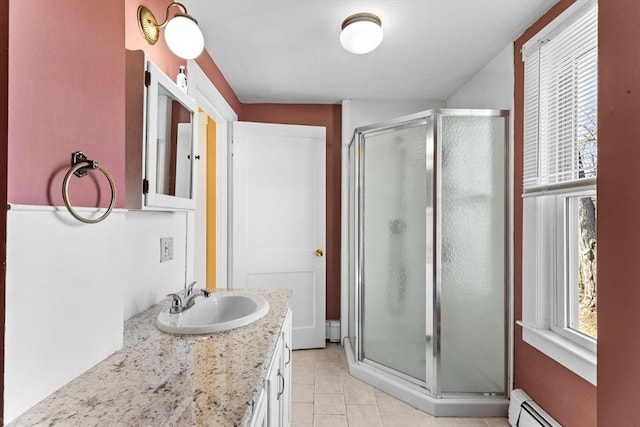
152,199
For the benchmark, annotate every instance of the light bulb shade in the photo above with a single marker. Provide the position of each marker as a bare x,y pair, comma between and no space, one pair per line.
361,33
184,37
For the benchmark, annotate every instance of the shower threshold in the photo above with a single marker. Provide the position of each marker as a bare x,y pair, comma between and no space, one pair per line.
466,406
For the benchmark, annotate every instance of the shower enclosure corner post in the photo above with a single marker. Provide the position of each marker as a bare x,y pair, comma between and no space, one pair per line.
358,209
355,238
434,290
508,244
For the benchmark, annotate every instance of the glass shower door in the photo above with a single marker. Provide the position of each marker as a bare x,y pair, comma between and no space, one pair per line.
396,194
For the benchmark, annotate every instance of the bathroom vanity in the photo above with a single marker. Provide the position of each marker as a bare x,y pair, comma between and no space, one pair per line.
239,377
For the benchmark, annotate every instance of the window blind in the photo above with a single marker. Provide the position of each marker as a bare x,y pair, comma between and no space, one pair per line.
560,106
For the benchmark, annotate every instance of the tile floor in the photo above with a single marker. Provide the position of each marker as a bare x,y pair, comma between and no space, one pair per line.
324,394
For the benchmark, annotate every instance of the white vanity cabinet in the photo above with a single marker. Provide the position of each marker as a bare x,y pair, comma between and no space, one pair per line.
260,411
276,383
287,355
273,408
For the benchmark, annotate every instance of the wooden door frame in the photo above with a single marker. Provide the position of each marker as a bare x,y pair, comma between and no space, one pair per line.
213,103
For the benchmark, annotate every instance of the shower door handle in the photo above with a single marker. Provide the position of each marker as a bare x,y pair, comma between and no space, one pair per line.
319,252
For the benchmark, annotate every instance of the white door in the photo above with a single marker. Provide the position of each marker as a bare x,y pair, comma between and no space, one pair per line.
279,219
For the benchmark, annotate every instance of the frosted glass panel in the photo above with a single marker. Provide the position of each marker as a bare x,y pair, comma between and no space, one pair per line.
395,201
472,286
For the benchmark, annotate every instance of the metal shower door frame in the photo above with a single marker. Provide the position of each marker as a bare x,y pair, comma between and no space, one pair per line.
419,119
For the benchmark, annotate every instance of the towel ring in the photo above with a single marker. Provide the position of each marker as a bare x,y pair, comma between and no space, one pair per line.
79,166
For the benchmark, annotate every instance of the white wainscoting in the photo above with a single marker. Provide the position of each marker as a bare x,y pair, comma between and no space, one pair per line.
70,286
148,280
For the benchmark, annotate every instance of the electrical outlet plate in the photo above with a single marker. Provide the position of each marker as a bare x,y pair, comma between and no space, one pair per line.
166,249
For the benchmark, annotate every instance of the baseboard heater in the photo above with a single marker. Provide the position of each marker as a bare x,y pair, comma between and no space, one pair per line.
524,412
332,330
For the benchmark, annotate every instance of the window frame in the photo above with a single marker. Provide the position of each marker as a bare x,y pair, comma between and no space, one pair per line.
544,250
566,272
539,271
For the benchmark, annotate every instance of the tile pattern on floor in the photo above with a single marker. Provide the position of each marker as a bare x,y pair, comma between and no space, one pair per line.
324,394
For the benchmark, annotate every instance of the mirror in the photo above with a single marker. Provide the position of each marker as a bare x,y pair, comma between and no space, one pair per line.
171,143
173,162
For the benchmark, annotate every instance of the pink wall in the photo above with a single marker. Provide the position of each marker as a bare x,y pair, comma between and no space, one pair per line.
618,207
66,93
566,396
66,80
4,115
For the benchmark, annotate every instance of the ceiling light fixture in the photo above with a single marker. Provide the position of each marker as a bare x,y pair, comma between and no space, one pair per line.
361,33
182,34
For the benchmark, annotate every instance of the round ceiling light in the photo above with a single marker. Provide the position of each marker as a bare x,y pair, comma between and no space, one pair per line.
184,37
361,33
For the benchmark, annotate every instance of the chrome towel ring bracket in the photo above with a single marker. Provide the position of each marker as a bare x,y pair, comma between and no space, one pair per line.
79,166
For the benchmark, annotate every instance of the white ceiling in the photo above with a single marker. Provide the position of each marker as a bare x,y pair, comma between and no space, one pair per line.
287,51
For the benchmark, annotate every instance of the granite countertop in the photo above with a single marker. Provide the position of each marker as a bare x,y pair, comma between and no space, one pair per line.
161,379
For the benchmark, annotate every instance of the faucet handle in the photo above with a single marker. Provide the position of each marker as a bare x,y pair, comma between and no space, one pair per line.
189,289
176,303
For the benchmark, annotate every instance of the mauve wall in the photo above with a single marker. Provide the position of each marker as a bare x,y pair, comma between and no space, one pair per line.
618,207
329,116
4,116
566,396
66,80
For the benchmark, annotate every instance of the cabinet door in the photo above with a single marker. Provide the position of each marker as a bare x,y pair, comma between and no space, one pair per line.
259,418
287,357
171,144
275,388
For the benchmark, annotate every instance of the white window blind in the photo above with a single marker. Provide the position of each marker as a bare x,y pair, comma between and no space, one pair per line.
560,106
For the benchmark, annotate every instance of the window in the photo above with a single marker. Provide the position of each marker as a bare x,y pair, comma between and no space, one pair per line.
559,182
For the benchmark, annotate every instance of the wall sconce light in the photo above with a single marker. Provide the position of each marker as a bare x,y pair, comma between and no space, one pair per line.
361,33
182,34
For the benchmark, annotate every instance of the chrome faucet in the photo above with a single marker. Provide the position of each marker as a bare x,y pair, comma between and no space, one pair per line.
189,296
188,290
192,298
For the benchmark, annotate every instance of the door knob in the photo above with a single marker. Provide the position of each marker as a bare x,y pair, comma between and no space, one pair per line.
319,252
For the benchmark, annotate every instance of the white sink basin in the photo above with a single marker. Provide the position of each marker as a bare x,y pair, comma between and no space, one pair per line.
219,312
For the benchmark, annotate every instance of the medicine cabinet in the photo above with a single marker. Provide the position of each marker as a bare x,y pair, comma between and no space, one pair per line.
161,139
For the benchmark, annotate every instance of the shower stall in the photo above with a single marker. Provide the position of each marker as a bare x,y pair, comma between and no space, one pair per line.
428,260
